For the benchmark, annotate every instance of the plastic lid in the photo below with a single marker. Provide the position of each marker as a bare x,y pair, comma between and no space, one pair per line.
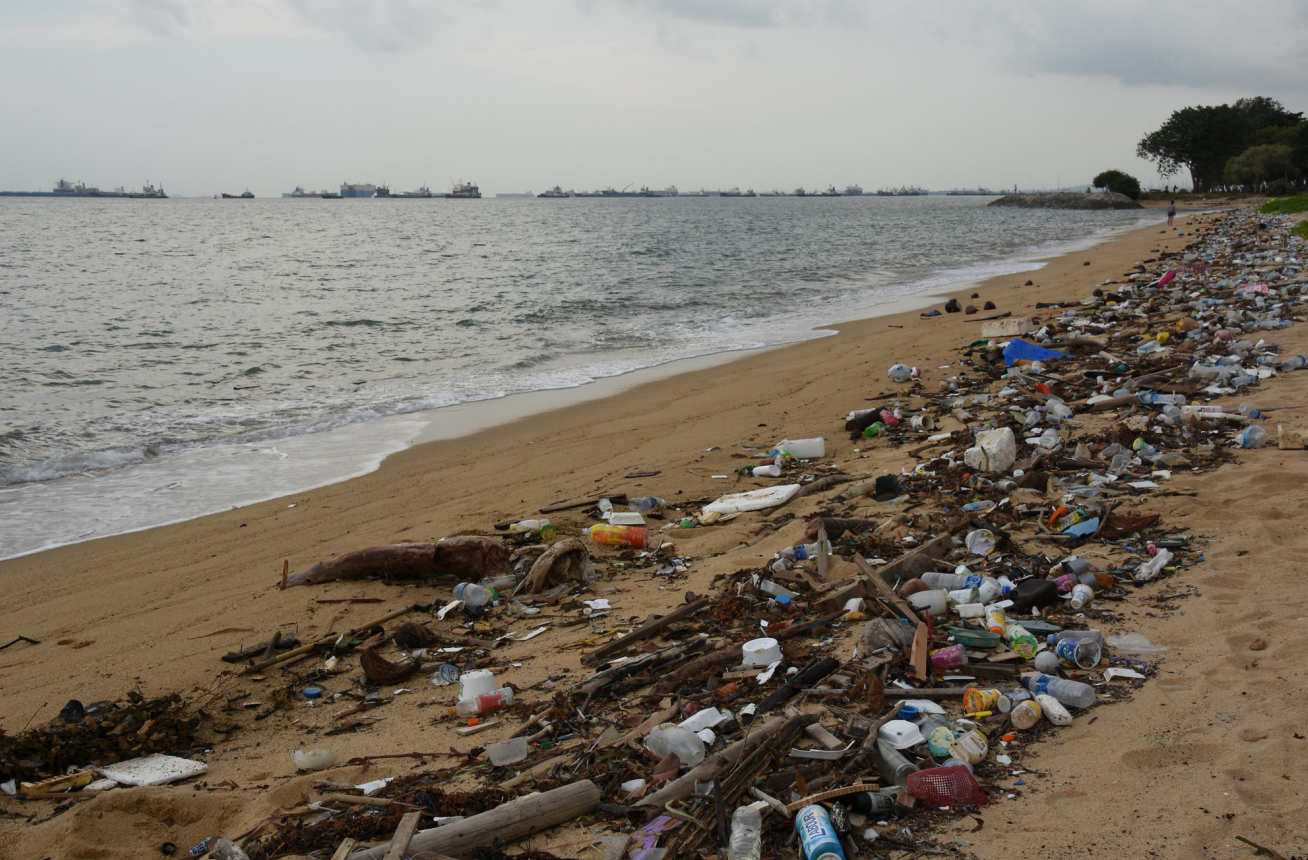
900,734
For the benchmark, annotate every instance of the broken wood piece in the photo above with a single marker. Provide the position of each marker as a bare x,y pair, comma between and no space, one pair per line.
792,808
452,558
296,653
648,629
507,823
924,693
399,848
57,784
343,850
565,561
615,498
464,731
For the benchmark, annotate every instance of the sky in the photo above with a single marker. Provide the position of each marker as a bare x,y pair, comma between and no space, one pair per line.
209,96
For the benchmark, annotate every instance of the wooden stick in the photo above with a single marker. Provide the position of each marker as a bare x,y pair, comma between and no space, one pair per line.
792,808
508,822
343,850
403,835
296,653
650,628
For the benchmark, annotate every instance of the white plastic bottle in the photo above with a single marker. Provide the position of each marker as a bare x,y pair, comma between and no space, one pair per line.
746,833
1071,693
474,595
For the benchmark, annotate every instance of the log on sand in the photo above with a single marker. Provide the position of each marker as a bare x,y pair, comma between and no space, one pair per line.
454,558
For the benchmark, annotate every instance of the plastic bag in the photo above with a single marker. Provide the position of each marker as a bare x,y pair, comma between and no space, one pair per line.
1133,643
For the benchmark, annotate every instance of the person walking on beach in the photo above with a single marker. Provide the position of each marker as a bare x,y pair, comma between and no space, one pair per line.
1171,213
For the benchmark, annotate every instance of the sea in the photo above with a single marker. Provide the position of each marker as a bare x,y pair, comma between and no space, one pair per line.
166,359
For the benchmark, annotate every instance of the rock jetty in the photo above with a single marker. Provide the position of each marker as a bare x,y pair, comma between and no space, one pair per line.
1068,200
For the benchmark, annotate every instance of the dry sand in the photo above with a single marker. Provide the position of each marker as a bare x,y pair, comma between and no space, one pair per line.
1211,749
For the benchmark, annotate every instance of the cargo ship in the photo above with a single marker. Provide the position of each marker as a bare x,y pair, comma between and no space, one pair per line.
422,192
465,191
556,191
64,188
360,189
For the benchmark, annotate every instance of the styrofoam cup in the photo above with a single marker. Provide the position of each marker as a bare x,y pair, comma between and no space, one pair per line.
760,652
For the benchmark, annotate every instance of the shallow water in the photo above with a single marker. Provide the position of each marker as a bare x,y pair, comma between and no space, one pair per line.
165,359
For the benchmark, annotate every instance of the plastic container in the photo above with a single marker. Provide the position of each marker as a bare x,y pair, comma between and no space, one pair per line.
996,621
668,738
479,682
971,746
1054,638
933,601
760,652
1252,436
1082,595
985,699
946,786
538,527
1293,363
1081,653
1073,694
817,836
485,704
804,449
800,551
1025,714
473,595
507,752
1054,710
1021,641
771,470
892,765
746,833
609,535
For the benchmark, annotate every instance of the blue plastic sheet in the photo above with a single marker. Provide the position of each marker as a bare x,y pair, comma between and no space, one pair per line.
1019,349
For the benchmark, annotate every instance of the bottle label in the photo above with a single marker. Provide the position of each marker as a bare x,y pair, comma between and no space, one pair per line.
1042,684
973,581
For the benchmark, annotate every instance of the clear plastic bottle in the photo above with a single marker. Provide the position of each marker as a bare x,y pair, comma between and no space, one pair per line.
746,833
474,595
1294,362
487,703
646,504
1252,436
632,536
951,581
1071,693
800,551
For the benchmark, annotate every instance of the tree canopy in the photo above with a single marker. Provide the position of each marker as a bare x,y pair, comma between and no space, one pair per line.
1122,183
1202,139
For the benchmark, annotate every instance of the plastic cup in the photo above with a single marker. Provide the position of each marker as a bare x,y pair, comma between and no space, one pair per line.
760,652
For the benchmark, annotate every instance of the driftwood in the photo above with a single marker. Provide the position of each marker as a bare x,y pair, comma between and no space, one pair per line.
565,561
379,670
600,680
731,653
650,628
507,822
452,558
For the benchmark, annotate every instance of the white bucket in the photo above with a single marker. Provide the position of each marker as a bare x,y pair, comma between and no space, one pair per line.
760,652
805,449
480,682
935,601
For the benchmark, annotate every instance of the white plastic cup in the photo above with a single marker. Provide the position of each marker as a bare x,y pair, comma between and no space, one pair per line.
760,652
480,682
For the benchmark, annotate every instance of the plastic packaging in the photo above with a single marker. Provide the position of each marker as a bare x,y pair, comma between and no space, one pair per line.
1134,643
485,704
746,833
474,595
632,536
1071,693
817,836
900,373
671,738
1081,653
804,449
225,849
646,504
1293,363
1150,569
313,759
540,527
507,752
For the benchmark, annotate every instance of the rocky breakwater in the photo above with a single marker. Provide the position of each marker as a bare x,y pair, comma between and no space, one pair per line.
1068,200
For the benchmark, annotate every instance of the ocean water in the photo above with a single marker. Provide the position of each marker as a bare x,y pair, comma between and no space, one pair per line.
167,359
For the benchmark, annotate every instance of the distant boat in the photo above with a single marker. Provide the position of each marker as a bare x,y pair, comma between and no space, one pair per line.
351,189
968,192
329,195
902,191
670,191
64,188
853,191
830,192
300,192
422,191
555,192
244,195
464,191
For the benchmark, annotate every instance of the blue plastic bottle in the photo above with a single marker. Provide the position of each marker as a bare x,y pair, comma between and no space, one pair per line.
817,838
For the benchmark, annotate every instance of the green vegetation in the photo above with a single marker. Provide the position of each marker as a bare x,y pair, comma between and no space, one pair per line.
1286,205
1301,230
1215,144
1122,183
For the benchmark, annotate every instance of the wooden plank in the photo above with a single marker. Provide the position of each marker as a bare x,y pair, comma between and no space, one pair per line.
919,654
399,847
650,628
343,850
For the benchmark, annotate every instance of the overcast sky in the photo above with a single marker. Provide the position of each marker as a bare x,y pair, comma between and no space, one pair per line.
223,95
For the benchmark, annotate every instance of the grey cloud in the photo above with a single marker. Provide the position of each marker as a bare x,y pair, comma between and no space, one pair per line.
385,26
164,17
758,14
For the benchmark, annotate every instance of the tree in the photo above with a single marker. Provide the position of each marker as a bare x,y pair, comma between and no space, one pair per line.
1122,183
1260,165
1200,139
1261,112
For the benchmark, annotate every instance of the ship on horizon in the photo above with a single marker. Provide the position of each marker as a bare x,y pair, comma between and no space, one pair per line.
464,191
356,190
64,188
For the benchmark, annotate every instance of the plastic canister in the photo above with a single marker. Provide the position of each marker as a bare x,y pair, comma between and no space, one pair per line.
935,601
1025,714
971,746
760,652
1054,710
804,449
996,622
817,836
480,682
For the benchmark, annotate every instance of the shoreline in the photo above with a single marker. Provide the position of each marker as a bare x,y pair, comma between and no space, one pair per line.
164,485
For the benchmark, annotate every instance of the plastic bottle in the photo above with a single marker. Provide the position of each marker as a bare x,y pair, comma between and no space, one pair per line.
474,595
817,836
746,833
632,536
893,766
1071,693
485,704
671,738
771,470
800,551
1154,566
1150,398
540,527
873,429
951,581
1053,710
996,622
1294,362
1021,641
646,504
1252,436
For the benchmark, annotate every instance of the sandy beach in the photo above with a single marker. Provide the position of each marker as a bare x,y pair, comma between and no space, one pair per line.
1209,750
